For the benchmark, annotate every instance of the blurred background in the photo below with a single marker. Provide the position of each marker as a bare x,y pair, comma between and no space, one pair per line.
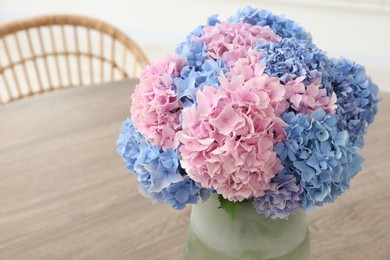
357,29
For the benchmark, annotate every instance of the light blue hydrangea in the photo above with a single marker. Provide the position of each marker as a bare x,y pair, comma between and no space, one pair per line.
282,26
199,71
319,155
350,162
158,172
193,78
195,53
292,58
357,97
282,199
181,193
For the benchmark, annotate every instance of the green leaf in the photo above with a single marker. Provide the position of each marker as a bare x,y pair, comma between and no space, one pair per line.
231,207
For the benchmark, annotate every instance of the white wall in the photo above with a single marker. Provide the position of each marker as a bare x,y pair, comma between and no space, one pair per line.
357,29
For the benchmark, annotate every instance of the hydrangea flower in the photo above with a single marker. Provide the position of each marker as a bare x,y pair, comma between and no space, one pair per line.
249,109
351,162
230,42
194,52
212,51
282,26
306,99
282,199
357,97
314,151
182,193
291,58
211,21
228,138
157,171
191,80
155,106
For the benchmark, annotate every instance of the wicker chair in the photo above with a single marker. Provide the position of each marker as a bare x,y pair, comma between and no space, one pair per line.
58,51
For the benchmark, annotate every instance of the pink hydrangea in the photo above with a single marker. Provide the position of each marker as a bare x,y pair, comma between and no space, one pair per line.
306,99
231,41
248,68
155,108
228,138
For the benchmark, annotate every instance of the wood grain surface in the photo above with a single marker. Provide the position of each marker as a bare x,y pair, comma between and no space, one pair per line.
65,193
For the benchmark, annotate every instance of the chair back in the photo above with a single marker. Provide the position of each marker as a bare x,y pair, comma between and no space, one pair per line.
57,51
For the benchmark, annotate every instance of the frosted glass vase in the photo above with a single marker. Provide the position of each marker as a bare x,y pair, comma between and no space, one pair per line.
212,234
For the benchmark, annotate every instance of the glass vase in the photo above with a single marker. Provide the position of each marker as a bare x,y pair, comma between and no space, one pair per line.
212,234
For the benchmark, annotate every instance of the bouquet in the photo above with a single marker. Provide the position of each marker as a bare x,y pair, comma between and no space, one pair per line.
251,109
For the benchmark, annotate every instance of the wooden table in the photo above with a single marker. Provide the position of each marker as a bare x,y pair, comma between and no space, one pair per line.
65,193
